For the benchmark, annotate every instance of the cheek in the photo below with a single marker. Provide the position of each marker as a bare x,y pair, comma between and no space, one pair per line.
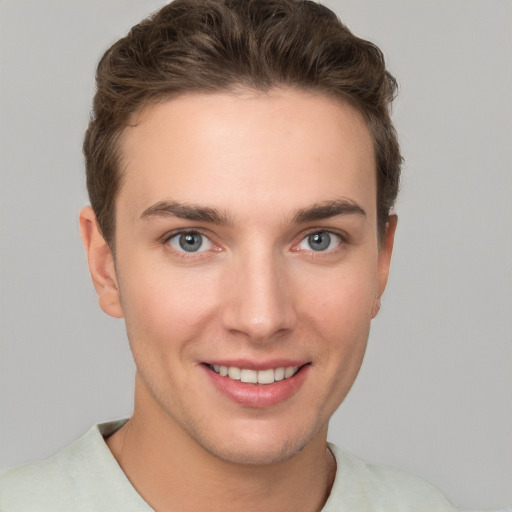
336,313
164,304
343,321
341,298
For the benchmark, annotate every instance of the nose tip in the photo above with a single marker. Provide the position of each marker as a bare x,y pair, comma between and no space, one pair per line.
259,303
262,327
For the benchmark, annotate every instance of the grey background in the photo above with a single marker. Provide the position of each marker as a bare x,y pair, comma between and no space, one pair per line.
434,394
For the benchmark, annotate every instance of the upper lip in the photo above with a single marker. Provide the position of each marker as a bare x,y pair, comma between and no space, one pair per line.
257,365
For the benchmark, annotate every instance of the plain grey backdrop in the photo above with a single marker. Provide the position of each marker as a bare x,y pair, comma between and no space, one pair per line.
434,394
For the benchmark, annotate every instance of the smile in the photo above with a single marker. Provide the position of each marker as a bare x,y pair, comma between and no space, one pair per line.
257,384
255,376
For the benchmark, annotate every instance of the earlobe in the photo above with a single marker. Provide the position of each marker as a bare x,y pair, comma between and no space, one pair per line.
101,264
375,307
384,261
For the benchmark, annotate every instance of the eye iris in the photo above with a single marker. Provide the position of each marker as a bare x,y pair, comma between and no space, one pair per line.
190,242
319,241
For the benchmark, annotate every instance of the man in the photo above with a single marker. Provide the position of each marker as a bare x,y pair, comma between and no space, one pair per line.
241,166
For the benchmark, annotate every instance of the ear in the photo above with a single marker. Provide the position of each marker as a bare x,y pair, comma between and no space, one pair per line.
101,264
384,259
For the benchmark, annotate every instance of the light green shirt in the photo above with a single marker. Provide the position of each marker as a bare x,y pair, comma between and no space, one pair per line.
85,477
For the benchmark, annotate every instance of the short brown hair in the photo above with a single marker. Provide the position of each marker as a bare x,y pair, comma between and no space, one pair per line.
219,45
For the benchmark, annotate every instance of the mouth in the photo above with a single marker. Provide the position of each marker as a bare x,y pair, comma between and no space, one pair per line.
257,385
261,377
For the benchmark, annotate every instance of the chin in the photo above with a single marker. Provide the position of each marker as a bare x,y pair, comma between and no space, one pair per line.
258,449
256,455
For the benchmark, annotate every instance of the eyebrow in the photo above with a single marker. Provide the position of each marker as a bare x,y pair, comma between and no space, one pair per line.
327,210
185,211
193,212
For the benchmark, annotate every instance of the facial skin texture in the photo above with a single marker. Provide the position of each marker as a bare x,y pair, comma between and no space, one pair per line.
256,292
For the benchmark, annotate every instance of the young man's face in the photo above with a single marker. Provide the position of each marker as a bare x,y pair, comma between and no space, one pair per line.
246,242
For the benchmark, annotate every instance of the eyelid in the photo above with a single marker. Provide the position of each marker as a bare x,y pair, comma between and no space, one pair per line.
345,238
342,235
165,240
180,231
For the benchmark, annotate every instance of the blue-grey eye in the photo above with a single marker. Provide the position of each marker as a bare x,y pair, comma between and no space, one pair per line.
320,241
191,241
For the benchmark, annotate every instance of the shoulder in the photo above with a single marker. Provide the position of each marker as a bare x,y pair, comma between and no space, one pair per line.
39,485
34,486
84,476
362,486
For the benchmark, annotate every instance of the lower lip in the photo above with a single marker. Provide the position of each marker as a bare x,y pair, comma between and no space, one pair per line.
258,395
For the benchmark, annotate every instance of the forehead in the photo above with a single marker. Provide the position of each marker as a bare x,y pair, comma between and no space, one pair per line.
280,149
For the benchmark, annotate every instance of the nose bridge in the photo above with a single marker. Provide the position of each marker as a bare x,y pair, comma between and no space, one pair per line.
259,303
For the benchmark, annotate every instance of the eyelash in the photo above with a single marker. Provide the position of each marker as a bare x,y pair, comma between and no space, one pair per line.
183,253
343,240
342,237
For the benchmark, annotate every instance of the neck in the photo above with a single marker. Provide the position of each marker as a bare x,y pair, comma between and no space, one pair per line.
173,472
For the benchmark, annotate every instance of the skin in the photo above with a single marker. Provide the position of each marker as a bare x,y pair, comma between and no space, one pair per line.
256,290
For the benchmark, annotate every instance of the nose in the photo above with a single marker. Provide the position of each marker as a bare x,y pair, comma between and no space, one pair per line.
258,298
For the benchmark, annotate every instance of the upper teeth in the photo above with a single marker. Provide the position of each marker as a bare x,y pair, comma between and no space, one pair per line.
254,376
